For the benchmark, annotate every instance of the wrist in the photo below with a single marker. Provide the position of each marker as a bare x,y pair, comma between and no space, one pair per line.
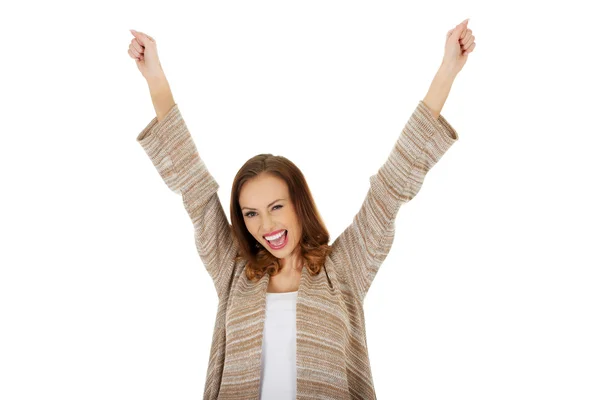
439,89
446,71
158,80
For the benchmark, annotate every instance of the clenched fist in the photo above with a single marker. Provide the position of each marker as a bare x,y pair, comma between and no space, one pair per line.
460,42
143,50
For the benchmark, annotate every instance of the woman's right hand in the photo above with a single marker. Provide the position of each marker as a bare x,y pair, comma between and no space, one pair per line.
143,50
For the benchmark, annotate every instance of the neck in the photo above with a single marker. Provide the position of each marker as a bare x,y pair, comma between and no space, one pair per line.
291,264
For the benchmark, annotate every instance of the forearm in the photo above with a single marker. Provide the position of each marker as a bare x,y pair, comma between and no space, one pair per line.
162,98
439,90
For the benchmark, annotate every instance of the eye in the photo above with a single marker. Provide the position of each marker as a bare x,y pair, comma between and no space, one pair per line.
252,212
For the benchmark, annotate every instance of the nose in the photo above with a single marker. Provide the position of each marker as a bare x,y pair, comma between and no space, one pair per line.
267,225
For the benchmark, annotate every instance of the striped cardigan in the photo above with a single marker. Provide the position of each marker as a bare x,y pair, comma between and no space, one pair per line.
332,357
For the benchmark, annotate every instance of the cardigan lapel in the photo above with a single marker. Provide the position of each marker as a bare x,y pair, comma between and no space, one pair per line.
320,343
319,315
244,324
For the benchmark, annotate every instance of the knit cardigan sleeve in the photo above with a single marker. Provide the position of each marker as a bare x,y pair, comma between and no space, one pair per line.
171,149
363,246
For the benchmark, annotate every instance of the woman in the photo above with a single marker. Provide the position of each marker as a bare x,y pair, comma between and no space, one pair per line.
290,322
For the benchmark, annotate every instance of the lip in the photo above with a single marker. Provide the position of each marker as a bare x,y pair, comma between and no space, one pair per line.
285,242
273,233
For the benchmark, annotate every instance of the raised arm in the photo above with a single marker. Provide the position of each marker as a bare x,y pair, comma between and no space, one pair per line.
171,149
363,246
169,145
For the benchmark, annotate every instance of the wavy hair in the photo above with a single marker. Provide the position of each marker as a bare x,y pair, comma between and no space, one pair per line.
314,247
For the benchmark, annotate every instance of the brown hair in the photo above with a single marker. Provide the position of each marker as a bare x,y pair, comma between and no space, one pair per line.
313,244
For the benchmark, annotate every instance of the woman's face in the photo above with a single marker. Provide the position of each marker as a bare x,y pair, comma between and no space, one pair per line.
267,210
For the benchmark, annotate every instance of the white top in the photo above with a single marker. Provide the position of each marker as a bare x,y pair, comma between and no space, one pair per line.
278,360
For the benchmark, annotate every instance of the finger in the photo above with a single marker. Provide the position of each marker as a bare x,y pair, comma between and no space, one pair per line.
468,42
471,47
132,55
147,36
468,50
142,37
459,30
465,40
134,51
135,36
137,46
463,25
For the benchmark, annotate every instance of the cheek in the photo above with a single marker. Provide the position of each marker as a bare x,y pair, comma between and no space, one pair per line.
250,227
290,219
293,222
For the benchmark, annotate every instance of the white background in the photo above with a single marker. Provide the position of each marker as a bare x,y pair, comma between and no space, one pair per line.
491,290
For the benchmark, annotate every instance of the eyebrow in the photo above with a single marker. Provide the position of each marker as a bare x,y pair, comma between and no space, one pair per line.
270,204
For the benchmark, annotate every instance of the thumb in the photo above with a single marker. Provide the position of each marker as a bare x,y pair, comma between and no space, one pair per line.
460,28
142,38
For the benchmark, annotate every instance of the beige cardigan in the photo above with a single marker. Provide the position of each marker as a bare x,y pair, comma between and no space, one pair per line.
332,357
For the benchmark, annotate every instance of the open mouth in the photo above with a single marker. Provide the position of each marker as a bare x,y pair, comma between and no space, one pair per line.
278,243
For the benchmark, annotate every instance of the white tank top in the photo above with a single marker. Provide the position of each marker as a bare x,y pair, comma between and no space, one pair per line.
278,360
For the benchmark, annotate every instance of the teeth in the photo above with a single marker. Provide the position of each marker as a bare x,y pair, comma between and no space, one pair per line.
271,238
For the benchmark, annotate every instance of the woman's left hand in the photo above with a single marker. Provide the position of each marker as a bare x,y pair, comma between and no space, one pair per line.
460,42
